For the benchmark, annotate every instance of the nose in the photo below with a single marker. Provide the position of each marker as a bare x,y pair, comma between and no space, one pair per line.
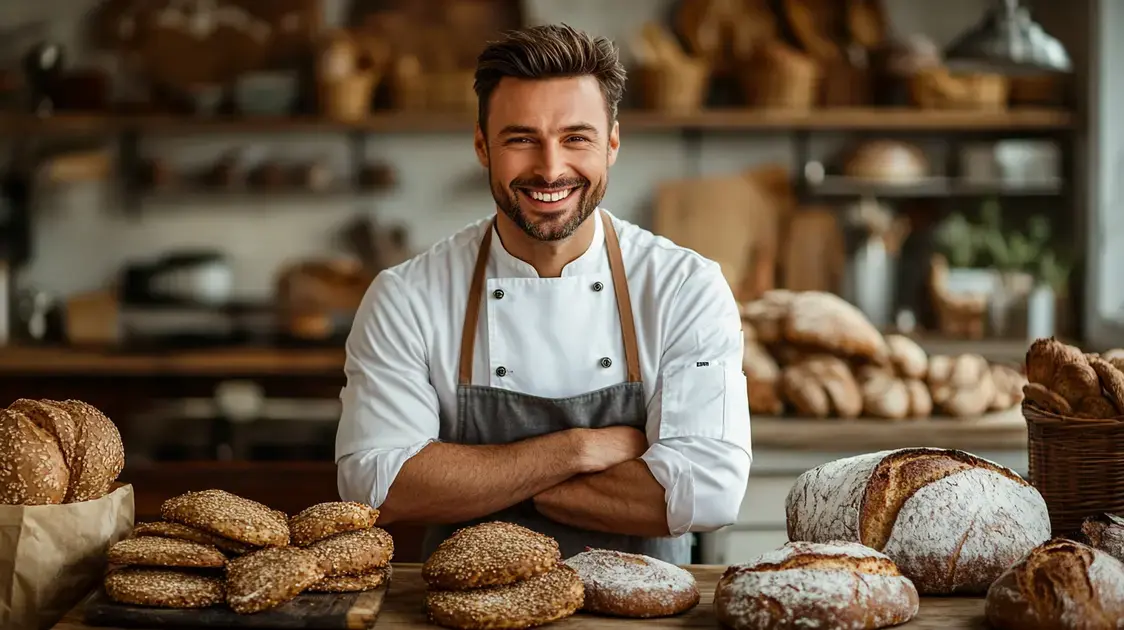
550,164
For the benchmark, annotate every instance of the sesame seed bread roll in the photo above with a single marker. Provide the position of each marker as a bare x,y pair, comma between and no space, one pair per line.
32,467
490,554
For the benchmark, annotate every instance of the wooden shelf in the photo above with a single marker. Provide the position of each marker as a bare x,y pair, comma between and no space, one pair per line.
841,119
835,186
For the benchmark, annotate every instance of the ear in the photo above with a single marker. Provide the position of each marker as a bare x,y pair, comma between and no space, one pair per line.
614,142
481,145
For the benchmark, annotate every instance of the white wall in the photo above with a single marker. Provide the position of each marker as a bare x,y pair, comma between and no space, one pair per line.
83,239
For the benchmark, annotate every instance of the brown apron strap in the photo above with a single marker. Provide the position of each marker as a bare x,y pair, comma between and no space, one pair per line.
472,310
624,302
620,287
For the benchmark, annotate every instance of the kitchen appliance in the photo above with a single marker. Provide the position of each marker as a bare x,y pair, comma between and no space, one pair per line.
186,277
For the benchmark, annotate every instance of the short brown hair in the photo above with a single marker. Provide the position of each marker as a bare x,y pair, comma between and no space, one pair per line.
547,52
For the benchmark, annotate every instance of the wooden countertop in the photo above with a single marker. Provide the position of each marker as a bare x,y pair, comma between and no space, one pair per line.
49,361
402,608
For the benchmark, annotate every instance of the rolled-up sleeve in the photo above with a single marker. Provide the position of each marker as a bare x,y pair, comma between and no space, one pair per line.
390,408
698,418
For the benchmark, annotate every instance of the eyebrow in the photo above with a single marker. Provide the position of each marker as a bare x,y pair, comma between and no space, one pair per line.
576,128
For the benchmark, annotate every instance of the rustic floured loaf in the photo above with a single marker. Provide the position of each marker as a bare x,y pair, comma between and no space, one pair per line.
950,520
815,585
1059,585
633,585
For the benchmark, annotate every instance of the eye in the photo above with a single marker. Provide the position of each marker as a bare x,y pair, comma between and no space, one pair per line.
577,139
517,141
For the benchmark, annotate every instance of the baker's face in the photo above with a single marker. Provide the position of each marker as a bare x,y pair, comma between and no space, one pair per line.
548,150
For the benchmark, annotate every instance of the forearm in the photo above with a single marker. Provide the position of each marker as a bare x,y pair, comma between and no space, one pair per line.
625,499
450,483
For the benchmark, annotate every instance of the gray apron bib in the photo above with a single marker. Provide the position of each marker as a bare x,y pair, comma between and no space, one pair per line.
489,415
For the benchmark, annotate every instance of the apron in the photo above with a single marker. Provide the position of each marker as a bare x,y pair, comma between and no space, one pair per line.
490,415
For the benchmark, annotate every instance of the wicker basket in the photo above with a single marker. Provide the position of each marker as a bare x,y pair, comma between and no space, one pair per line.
937,88
1077,464
680,88
779,77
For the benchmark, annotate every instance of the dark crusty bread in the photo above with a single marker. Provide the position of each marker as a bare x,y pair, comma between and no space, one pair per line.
633,585
489,554
815,585
1060,585
1105,532
950,520
32,467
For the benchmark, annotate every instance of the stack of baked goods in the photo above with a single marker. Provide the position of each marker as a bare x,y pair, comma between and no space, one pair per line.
54,452
1067,382
813,354
499,575
213,548
633,585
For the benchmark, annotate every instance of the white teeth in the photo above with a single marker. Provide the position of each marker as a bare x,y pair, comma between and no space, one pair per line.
550,197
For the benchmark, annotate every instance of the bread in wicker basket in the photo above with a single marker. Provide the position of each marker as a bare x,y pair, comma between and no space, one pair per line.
1074,409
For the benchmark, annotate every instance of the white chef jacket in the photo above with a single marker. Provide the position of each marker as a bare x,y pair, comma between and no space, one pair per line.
550,336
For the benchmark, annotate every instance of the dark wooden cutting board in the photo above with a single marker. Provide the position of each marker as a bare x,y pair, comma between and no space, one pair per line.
309,611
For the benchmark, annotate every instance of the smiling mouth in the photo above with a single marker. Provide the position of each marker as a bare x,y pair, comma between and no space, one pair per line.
549,196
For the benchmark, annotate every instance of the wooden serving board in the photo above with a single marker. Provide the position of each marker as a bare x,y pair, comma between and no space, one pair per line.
308,611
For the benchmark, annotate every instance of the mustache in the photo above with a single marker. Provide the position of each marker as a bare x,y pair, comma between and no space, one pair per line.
541,183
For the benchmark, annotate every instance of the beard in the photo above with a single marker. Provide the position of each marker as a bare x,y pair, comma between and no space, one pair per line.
555,227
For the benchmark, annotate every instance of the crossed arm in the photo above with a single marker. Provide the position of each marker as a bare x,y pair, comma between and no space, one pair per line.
609,479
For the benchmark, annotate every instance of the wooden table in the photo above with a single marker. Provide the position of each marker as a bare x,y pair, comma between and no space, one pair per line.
402,609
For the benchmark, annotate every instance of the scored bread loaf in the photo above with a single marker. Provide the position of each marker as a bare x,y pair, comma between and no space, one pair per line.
32,468
1060,584
1105,532
950,520
827,322
815,585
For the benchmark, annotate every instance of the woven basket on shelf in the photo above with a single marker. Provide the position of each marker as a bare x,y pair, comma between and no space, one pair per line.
937,88
678,88
1077,464
780,77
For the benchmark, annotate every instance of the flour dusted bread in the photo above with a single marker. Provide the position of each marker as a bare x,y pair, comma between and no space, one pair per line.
1059,585
633,585
495,553
1105,532
767,315
814,585
951,521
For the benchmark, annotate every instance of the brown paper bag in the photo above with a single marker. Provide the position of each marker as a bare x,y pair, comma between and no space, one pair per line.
51,556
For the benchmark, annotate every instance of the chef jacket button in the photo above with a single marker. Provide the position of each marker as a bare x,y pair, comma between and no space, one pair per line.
597,286
606,362
498,294
501,371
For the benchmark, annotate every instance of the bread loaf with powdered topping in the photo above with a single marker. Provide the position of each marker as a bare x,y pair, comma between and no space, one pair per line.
951,521
815,585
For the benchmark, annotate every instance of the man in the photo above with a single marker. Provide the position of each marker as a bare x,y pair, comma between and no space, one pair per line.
552,365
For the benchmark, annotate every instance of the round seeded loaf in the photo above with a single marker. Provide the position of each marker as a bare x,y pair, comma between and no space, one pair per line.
951,521
815,585
1059,585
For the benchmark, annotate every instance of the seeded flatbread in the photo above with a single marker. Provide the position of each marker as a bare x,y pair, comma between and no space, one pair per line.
183,532
327,519
354,583
155,551
230,516
353,553
165,588
269,577
539,600
490,554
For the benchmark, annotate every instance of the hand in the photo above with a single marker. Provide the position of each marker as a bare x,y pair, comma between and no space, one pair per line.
600,449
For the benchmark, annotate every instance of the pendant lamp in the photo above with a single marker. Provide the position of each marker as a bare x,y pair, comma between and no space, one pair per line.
1008,41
